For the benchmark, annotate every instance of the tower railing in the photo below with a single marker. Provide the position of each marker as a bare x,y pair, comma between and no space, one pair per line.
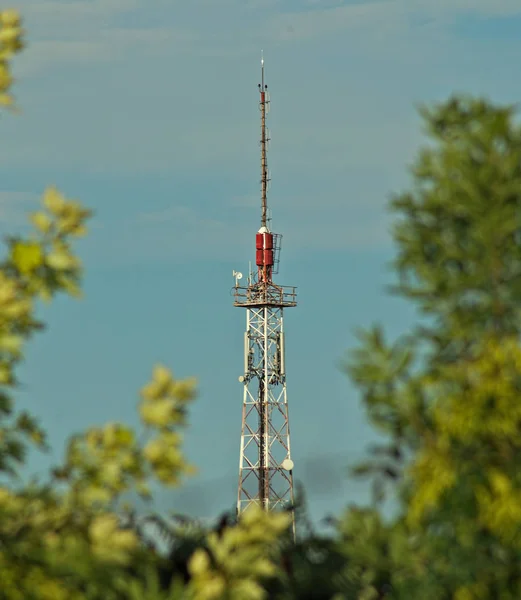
263,294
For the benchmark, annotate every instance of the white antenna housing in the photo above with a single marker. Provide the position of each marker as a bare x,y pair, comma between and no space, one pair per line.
287,464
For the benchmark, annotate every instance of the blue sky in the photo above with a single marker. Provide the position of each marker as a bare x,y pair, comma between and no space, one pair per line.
147,112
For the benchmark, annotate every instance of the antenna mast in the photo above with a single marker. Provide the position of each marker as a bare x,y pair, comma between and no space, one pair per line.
264,150
265,468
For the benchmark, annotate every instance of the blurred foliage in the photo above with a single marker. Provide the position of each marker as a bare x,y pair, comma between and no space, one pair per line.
444,398
235,562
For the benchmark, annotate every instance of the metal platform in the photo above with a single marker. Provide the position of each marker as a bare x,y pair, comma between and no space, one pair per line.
265,294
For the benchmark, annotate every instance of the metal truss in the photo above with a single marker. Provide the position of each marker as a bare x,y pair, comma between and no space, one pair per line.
265,475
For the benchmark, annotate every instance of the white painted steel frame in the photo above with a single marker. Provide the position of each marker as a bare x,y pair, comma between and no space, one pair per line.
265,438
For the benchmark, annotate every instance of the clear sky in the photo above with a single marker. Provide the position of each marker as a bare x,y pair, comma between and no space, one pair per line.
146,110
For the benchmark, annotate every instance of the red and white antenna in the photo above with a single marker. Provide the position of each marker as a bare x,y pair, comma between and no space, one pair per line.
266,466
264,241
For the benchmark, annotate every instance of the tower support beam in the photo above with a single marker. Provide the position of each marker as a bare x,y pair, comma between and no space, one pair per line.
265,469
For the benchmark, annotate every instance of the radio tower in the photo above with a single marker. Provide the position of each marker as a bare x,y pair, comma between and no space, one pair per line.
266,468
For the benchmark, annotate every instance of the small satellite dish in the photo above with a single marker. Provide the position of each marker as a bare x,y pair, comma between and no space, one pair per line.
237,276
287,464
241,378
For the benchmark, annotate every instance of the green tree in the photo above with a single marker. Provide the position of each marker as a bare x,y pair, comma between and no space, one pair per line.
446,395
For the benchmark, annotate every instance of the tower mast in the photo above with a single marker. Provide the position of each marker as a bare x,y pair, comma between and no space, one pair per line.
264,142
265,465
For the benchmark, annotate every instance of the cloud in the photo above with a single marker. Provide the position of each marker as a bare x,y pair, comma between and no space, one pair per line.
376,20
319,22
178,233
109,47
187,234
340,230
75,31
57,11
222,28
452,7
86,32
54,53
126,89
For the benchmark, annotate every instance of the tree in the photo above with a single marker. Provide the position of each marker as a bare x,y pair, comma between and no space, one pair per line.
446,395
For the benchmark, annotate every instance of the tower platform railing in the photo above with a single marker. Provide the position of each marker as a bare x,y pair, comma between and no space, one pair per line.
265,294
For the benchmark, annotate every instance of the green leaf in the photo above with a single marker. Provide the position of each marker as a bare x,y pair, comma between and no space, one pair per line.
60,260
26,256
41,221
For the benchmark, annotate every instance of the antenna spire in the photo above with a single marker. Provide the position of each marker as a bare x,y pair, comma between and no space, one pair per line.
264,142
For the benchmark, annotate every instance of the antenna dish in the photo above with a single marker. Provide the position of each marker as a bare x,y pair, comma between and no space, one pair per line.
237,276
287,464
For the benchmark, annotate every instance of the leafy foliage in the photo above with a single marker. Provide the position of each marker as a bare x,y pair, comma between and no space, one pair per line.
234,563
445,396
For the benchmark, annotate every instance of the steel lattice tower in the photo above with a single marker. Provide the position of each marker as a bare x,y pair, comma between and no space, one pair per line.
266,468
